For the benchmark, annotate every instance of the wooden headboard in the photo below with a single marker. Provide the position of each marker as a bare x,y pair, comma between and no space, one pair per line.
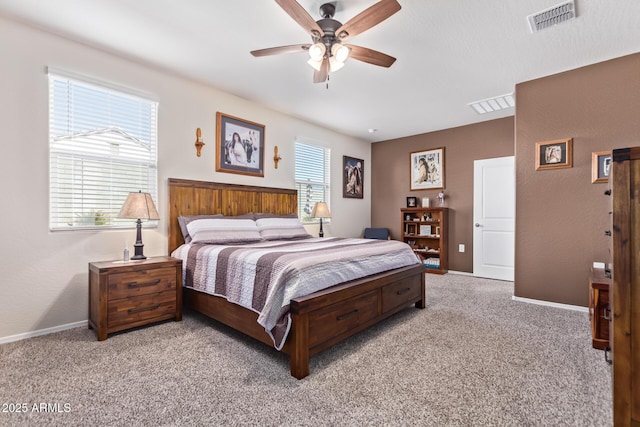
187,197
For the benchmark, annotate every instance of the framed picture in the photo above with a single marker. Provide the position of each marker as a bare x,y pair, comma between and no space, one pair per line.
239,145
412,202
600,164
352,177
427,169
555,154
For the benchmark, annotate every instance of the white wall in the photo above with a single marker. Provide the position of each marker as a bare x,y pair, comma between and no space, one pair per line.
44,274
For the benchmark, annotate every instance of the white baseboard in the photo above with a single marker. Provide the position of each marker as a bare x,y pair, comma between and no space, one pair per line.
460,273
24,336
552,304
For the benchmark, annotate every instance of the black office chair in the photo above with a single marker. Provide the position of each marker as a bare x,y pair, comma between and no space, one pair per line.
377,233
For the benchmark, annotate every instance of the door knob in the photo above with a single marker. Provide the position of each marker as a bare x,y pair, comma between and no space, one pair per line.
477,224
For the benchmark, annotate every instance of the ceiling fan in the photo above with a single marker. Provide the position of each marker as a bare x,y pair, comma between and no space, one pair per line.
327,51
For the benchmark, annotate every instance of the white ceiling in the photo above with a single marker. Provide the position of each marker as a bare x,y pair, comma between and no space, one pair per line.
449,53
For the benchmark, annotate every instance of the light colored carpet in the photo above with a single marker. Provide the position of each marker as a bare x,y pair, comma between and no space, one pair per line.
473,357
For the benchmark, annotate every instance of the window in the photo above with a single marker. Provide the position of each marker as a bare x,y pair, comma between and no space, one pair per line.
102,145
312,178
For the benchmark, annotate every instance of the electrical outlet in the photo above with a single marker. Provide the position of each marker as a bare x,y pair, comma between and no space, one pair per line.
461,247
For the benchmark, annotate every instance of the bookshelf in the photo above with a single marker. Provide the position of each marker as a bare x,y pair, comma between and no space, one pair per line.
425,230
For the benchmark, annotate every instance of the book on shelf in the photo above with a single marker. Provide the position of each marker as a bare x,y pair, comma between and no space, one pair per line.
432,262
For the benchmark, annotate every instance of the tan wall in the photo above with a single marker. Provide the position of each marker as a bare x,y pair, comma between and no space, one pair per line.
463,145
560,215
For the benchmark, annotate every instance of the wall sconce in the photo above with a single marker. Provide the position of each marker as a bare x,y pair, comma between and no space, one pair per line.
276,158
199,142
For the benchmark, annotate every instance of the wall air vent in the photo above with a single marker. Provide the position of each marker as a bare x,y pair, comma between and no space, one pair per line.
552,16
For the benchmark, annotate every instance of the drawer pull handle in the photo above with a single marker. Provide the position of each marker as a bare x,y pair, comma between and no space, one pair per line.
139,309
607,314
403,291
138,285
607,355
346,316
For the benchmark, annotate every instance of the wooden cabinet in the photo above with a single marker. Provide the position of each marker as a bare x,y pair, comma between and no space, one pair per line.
124,295
624,182
425,230
599,308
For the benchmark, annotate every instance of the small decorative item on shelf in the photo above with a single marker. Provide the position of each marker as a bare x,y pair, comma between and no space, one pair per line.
425,202
441,198
412,202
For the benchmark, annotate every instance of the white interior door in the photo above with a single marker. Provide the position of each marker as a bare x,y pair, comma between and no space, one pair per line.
494,218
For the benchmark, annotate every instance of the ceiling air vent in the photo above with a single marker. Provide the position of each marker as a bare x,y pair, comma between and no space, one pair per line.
552,16
496,103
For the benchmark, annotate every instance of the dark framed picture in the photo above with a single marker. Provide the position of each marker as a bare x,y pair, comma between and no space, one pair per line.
239,145
412,202
554,154
427,169
352,177
600,165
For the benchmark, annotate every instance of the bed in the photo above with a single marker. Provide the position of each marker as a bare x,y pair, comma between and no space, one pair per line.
317,320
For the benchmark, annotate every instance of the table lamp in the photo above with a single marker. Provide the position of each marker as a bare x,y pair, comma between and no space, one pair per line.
321,210
138,206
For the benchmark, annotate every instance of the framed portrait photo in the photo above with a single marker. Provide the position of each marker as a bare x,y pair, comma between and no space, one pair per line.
427,169
554,154
412,202
352,177
600,165
239,146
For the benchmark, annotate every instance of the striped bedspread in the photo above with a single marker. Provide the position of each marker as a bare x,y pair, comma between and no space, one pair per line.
265,276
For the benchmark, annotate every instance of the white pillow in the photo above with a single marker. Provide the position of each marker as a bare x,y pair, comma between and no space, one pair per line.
223,230
281,228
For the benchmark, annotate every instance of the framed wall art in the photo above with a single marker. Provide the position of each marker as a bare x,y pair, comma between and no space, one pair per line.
600,164
352,177
554,154
239,146
427,169
412,202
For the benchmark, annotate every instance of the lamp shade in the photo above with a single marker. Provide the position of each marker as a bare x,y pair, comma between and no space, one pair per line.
139,206
321,210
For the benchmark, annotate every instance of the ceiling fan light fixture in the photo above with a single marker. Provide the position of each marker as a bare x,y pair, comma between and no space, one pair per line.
334,64
340,52
315,64
317,51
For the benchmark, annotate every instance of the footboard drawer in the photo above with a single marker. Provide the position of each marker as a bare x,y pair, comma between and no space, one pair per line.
339,318
398,294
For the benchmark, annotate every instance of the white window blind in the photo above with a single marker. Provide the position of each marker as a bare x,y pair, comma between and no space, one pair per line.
313,178
102,145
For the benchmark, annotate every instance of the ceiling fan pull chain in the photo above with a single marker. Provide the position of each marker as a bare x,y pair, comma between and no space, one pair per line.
327,81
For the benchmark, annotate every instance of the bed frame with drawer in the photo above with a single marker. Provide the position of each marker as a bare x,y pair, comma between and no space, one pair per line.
319,320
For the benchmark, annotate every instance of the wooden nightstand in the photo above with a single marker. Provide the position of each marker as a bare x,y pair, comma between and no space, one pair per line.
124,295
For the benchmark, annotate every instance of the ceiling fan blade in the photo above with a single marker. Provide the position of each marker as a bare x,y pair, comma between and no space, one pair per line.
370,56
367,19
301,16
321,76
292,48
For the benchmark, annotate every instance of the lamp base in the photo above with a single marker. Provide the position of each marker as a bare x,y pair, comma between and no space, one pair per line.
321,233
137,248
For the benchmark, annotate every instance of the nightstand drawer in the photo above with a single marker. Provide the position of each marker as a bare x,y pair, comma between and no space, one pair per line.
131,310
143,282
